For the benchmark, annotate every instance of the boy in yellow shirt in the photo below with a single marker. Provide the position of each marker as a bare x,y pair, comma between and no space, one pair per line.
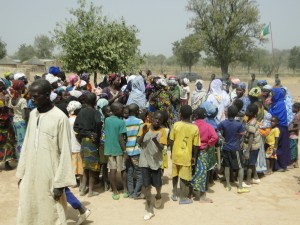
184,142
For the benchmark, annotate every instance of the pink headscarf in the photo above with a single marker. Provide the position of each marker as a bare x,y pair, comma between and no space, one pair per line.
73,79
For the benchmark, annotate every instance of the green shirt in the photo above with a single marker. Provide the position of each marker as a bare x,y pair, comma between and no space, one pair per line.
113,127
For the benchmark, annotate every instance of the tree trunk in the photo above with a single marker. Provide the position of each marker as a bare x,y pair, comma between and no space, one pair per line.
224,68
95,79
190,69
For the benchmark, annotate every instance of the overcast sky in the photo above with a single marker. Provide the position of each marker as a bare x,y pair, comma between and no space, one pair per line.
160,22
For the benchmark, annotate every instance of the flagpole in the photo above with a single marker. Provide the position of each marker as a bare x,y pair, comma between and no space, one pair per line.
272,44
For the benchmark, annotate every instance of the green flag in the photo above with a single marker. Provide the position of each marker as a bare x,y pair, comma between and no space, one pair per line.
265,31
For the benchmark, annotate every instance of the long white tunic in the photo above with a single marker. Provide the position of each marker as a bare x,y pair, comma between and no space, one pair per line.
45,163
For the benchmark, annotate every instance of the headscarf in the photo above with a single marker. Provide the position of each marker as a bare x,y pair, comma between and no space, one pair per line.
51,78
278,108
100,104
73,106
17,76
242,85
137,94
162,82
255,92
267,87
82,83
216,87
186,81
172,80
198,95
54,70
7,75
18,85
73,78
262,82
85,76
235,80
209,108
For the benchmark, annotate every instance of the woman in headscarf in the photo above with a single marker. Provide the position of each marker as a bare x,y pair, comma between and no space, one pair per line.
6,130
198,95
86,78
278,109
160,99
266,96
72,82
234,85
219,98
18,105
137,94
174,93
113,91
240,94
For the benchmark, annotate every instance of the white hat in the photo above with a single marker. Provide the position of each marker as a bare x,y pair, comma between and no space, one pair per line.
51,78
72,106
17,76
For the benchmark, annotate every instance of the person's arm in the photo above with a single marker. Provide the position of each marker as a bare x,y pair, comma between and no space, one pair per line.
276,144
195,153
122,141
158,145
171,143
250,141
141,138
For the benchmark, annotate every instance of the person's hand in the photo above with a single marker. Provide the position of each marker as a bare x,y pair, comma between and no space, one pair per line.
121,94
246,155
19,182
193,161
57,193
93,136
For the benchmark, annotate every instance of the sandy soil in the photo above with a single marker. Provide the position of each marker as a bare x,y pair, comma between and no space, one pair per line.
273,201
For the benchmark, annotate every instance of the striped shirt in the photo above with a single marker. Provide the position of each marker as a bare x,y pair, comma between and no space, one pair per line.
133,124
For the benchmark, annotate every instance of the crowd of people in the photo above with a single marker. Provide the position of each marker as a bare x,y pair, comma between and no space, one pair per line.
65,133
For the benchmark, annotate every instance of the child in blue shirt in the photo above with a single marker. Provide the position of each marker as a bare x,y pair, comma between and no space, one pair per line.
232,156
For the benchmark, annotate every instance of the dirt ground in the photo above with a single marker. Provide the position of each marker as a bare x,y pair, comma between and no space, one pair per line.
273,201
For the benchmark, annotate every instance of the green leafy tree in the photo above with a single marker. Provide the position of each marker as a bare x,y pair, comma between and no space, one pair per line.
25,52
187,50
2,49
294,58
227,28
92,43
44,46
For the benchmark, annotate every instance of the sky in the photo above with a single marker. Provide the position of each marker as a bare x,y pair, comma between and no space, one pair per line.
160,22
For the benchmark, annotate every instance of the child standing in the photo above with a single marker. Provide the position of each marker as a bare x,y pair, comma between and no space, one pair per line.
88,127
208,137
152,139
184,143
232,132
73,109
251,144
294,132
133,125
185,92
115,147
104,109
271,145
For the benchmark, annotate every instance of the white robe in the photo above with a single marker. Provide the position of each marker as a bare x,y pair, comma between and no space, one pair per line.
45,163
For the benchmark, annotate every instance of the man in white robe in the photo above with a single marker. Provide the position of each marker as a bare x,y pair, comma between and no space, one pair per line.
45,166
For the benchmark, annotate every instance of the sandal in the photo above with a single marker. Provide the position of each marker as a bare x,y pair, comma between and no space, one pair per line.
116,196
